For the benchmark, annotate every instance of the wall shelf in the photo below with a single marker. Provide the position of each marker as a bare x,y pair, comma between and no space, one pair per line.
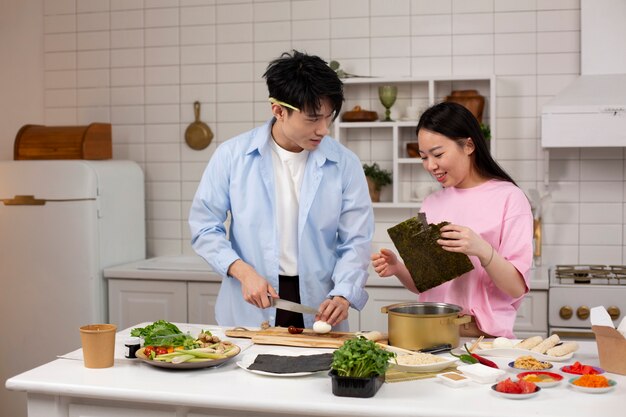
422,92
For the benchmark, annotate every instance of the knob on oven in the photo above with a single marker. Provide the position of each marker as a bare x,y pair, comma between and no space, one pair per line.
566,312
582,312
613,312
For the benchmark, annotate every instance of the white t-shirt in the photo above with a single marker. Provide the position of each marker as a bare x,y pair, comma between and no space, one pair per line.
288,175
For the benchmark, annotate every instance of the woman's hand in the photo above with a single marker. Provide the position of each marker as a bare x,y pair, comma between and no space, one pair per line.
455,238
386,263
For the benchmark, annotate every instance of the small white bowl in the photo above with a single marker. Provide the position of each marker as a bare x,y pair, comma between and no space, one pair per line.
453,379
481,373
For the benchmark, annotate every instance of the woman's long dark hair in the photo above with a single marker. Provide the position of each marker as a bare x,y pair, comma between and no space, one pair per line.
457,123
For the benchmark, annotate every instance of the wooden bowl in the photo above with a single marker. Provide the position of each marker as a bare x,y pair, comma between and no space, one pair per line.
359,116
412,149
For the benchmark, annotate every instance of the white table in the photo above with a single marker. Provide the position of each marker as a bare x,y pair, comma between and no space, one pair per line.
64,387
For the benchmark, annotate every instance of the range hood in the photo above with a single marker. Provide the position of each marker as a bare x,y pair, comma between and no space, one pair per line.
590,112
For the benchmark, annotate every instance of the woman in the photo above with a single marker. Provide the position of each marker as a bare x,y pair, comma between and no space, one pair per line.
490,221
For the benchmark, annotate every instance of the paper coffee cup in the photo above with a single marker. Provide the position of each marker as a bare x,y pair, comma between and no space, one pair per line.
98,341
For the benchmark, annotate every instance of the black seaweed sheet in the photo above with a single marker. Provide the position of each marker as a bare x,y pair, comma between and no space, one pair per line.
278,364
428,264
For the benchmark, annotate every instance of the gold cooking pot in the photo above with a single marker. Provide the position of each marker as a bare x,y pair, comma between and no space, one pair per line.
418,325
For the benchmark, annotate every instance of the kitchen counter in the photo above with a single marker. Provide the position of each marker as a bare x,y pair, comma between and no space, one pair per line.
194,268
65,387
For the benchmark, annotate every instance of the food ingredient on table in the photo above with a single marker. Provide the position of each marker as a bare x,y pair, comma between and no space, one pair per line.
419,358
361,358
530,363
580,369
280,364
295,330
592,381
516,387
563,349
546,344
474,358
163,333
538,378
219,350
502,343
529,343
321,327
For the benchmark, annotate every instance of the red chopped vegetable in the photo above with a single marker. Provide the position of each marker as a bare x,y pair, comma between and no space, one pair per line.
485,361
579,368
516,387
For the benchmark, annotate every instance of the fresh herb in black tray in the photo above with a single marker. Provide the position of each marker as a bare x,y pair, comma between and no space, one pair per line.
360,358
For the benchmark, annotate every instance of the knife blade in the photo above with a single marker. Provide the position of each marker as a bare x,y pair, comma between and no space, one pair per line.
291,306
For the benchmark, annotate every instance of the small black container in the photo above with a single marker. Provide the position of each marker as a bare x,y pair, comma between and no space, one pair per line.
345,386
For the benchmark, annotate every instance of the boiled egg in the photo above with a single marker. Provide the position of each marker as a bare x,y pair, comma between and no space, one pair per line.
321,327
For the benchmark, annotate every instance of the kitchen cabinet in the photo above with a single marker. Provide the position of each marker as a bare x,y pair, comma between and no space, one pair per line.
532,315
385,142
201,298
136,301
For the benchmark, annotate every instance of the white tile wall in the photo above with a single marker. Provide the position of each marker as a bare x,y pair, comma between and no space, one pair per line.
140,64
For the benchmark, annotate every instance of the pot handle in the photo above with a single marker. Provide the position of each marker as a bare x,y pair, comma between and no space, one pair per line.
462,320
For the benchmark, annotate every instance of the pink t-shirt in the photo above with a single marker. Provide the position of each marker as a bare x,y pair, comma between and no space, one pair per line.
500,213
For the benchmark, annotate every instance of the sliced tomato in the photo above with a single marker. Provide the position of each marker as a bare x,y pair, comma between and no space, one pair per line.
147,350
161,350
527,387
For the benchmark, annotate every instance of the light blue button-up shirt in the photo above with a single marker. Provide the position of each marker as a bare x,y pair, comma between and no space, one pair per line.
335,224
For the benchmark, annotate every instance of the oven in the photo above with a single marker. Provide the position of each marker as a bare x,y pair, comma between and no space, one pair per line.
575,289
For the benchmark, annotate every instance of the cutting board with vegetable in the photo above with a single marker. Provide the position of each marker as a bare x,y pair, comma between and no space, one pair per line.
308,338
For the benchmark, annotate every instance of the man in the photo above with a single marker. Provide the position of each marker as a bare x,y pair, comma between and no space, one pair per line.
301,216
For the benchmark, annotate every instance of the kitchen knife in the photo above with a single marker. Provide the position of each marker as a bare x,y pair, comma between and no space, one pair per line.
291,306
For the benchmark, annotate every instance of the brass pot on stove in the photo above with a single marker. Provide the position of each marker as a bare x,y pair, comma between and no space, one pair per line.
420,325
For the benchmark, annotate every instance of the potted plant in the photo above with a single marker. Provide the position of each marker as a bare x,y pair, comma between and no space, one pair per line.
486,131
358,368
376,179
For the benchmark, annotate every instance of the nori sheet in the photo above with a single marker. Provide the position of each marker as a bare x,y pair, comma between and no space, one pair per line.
428,263
278,364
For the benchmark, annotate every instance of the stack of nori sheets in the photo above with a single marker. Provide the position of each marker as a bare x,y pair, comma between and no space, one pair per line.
278,364
428,263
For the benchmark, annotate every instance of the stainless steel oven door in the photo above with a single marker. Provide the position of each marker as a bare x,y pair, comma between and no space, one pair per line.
570,306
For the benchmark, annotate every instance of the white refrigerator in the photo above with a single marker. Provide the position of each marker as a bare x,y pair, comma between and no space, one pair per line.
61,224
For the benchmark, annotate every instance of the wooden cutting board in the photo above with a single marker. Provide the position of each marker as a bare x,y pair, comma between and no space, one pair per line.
281,336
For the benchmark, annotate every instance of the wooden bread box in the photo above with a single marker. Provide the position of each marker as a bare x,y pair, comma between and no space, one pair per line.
64,142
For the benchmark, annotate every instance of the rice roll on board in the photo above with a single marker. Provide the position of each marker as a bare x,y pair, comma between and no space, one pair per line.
529,343
548,343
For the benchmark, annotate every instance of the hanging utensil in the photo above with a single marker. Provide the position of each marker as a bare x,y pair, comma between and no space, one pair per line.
198,135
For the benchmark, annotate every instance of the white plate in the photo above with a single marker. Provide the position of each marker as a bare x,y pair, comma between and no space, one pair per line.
430,367
514,396
209,363
249,359
512,353
589,390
